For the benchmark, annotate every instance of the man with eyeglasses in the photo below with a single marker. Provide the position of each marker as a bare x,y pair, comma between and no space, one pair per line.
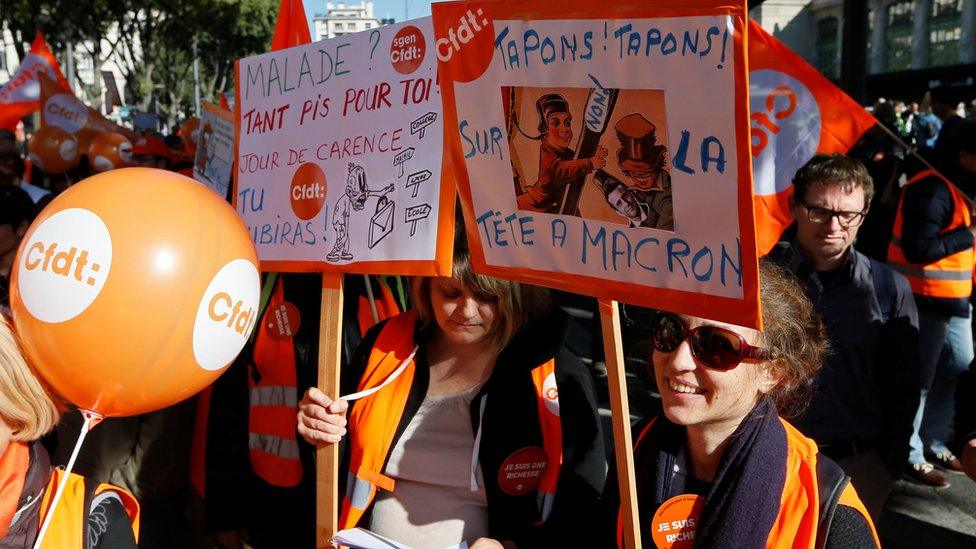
861,414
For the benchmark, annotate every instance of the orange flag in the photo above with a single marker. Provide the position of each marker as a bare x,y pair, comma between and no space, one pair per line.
292,27
796,113
22,94
61,108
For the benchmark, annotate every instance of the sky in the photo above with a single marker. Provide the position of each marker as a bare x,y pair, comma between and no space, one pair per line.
381,8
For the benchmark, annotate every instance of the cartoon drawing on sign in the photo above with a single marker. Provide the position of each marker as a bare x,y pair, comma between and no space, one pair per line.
401,158
642,161
557,163
415,179
574,178
418,126
354,199
413,214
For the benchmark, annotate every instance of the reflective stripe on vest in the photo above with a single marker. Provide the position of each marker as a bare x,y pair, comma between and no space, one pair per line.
386,306
949,277
272,437
373,421
67,527
799,512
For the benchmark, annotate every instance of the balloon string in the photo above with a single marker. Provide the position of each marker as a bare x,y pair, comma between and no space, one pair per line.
91,419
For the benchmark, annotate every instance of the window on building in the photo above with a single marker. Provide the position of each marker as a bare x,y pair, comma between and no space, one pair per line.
827,46
945,32
339,26
898,35
3,58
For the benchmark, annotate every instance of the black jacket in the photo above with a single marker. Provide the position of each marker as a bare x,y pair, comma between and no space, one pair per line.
927,211
511,423
868,388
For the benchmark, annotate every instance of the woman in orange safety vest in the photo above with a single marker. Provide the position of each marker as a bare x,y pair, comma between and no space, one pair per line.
88,515
721,467
483,429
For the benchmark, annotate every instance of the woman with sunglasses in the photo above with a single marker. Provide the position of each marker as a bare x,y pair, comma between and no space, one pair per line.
721,466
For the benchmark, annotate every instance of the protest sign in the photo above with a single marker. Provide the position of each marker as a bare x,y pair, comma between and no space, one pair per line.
214,158
796,113
339,147
604,148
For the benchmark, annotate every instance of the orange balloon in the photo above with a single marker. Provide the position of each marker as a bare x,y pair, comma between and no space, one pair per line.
134,289
85,136
190,134
53,149
109,151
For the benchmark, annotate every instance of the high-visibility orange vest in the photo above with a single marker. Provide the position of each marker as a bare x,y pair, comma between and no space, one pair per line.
272,429
67,529
373,421
386,306
949,277
799,511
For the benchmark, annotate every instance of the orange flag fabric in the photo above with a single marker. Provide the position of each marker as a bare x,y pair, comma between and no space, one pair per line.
292,27
61,108
22,94
796,113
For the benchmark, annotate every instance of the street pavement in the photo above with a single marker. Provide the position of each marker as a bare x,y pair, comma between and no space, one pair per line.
919,516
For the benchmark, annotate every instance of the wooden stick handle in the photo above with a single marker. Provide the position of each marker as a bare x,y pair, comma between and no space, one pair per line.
620,413
327,458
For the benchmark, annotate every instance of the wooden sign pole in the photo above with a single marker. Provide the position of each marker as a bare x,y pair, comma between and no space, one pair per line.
327,458
620,413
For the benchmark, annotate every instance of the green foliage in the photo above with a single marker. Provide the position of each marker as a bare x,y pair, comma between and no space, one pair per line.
154,41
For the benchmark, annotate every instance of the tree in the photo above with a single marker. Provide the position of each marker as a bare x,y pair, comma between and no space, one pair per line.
153,42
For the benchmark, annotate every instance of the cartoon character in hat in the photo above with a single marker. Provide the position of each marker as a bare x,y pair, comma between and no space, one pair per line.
557,167
357,192
643,162
624,200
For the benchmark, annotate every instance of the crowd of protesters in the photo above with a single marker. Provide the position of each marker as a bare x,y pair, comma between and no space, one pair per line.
868,342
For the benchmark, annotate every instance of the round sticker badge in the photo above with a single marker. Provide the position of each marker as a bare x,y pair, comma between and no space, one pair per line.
283,322
675,522
522,471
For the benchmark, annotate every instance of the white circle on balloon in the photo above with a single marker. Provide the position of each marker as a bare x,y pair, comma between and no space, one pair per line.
102,164
798,134
64,265
68,149
125,151
226,314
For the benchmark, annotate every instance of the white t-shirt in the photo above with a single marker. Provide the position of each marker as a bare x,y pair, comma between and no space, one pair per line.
432,504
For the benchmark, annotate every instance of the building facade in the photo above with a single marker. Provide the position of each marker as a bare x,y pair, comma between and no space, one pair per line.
912,44
341,18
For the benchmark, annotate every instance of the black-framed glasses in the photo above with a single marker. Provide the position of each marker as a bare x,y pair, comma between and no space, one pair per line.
715,347
818,215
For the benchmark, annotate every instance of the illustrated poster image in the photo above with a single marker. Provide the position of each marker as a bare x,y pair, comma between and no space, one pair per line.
214,158
339,150
604,148
617,172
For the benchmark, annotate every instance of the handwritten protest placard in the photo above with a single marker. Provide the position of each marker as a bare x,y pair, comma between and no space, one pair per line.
603,148
339,148
214,159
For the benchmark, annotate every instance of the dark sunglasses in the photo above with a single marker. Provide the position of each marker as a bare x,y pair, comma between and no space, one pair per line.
715,347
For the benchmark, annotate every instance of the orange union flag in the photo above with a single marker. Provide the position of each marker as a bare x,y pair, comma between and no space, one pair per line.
796,113
22,94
